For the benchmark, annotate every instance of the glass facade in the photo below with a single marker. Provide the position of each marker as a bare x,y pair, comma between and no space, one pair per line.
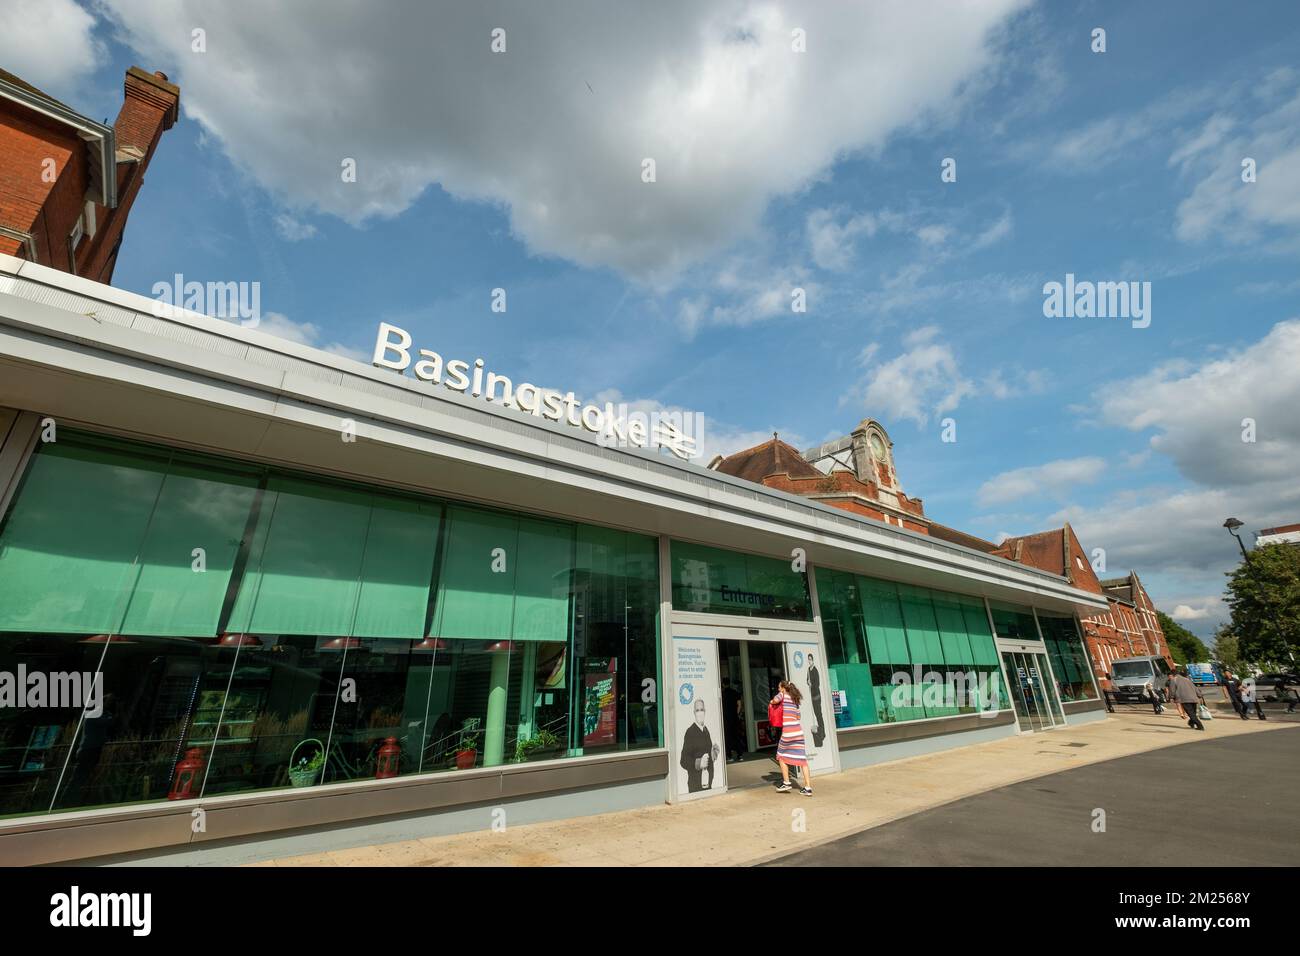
715,581
1013,622
1069,660
253,629
899,652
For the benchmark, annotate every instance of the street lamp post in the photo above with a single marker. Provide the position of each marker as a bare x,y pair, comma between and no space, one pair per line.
1232,524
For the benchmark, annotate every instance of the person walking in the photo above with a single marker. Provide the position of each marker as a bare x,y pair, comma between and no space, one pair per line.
790,751
1249,696
1149,692
1283,693
1183,692
1232,684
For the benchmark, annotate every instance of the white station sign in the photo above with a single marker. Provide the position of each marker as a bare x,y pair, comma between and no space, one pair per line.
613,424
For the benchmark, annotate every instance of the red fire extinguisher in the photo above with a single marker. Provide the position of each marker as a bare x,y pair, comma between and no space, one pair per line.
189,775
388,756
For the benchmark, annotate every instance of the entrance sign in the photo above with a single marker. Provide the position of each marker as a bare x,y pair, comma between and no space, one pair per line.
614,425
699,765
807,671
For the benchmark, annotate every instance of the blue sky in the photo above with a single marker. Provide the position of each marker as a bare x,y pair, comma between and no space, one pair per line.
776,170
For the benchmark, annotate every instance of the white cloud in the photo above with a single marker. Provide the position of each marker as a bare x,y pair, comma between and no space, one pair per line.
1212,134
292,229
1175,533
49,44
925,380
831,242
1184,612
832,234
933,235
905,290
714,438
1271,288
1221,205
1055,478
1197,412
1109,139
306,333
996,232
744,292
921,382
555,129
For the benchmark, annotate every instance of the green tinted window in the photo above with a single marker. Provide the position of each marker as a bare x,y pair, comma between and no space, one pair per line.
542,581
1014,622
727,582
304,570
149,542
401,541
1068,658
476,590
952,630
983,650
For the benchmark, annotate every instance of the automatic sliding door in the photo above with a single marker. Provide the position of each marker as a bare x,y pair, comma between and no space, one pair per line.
1048,695
1026,697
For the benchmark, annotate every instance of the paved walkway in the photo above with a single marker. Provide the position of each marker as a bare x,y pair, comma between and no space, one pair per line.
756,825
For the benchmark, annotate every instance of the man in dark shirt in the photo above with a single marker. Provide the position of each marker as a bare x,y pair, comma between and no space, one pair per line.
733,727
699,753
1184,693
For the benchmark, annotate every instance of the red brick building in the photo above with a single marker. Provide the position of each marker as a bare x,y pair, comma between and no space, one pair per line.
857,473
1128,629
67,182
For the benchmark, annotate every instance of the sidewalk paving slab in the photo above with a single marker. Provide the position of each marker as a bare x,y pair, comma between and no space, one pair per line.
757,824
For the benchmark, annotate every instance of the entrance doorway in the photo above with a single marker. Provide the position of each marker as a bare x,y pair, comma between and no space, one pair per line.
750,671
1032,695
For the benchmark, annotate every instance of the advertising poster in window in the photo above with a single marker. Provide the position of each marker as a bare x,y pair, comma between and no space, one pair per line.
699,765
807,671
600,701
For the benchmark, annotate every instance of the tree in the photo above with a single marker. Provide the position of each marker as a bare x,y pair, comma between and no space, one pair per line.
1227,649
1264,595
1184,646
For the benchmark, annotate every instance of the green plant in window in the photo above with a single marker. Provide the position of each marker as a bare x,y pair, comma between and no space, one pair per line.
304,772
542,740
468,735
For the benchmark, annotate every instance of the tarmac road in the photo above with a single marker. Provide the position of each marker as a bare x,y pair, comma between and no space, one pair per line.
1227,802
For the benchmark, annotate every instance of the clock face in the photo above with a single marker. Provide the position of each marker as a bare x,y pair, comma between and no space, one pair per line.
877,447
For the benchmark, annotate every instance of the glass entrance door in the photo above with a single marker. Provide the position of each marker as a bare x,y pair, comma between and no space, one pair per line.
1032,694
750,671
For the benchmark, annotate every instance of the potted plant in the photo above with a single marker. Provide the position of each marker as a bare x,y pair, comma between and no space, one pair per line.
307,769
543,740
467,746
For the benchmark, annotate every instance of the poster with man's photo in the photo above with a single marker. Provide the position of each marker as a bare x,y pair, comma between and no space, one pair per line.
807,671
699,763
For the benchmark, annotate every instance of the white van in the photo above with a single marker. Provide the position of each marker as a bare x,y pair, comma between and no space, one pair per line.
1129,674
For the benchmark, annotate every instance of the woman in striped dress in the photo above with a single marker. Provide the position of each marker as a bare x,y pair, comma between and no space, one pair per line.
790,750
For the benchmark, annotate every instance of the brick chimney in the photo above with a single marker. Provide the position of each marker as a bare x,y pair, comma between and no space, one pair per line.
151,106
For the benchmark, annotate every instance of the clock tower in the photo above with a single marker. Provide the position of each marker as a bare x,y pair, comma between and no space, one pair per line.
867,454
